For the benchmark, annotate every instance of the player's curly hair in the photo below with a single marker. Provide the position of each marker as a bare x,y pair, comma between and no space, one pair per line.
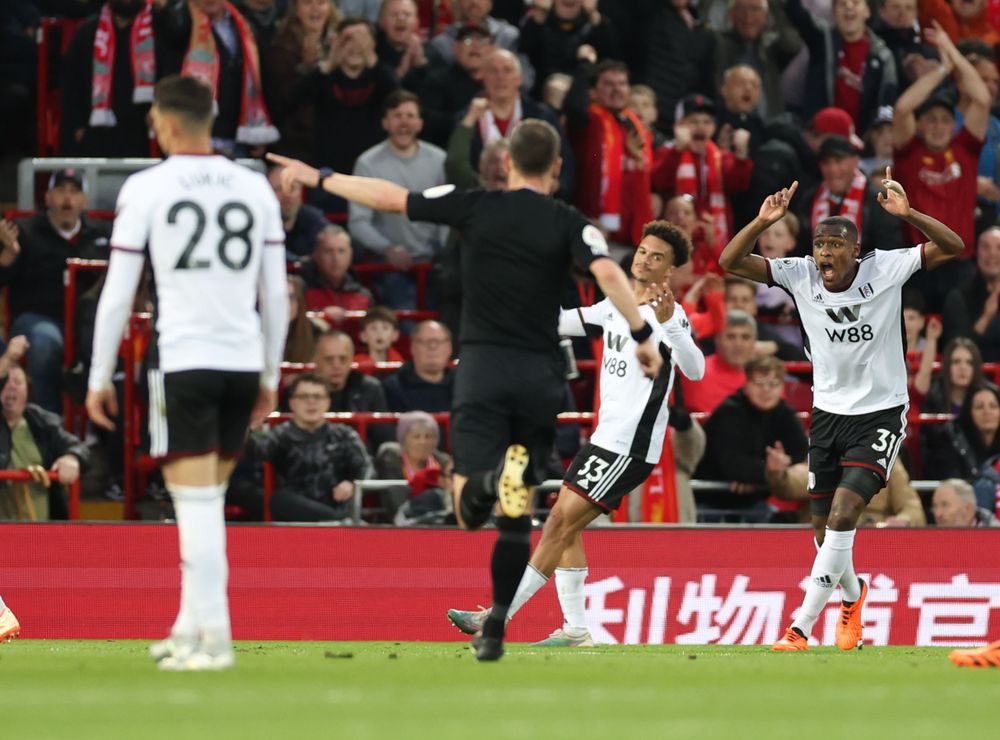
679,242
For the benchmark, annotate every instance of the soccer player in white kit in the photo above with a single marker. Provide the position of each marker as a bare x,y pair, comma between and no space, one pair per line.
851,311
629,437
212,232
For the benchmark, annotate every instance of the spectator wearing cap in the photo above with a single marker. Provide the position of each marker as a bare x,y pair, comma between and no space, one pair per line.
32,265
107,79
849,66
302,222
830,121
502,107
425,383
935,163
416,165
441,49
348,92
448,90
614,152
766,49
555,31
961,19
844,190
695,165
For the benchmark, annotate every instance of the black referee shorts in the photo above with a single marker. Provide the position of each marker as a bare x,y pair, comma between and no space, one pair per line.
505,396
195,412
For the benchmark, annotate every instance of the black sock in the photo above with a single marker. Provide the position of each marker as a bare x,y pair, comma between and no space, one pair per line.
477,500
510,557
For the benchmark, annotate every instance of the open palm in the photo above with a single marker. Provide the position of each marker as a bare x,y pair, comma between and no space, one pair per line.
775,206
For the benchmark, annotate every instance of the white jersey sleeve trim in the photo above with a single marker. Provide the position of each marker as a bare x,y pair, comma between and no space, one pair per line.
113,311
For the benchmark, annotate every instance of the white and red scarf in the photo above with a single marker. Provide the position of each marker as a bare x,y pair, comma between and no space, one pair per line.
850,206
142,50
615,165
202,61
689,183
488,129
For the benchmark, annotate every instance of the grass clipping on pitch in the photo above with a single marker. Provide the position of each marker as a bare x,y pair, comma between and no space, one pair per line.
389,690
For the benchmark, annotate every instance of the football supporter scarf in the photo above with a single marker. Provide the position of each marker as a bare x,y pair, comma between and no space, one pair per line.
202,61
420,479
689,180
488,129
850,207
615,165
143,64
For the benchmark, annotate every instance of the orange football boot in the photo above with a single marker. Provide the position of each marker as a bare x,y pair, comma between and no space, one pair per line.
987,657
849,624
790,641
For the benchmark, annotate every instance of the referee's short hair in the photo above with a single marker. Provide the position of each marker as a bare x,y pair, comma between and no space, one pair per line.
839,222
679,242
534,147
186,97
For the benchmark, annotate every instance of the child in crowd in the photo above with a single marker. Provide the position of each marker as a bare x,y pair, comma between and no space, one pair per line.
914,319
777,242
642,101
680,211
379,331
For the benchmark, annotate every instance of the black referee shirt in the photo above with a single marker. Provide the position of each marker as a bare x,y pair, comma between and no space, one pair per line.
517,248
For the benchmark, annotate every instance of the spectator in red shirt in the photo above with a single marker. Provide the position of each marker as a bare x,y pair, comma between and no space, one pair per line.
960,19
938,165
695,165
724,370
613,151
330,286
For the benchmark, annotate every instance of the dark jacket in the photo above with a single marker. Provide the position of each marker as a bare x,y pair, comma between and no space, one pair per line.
962,308
35,281
53,441
301,240
311,464
129,137
407,391
361,393
444,93
879,229
737,434
880,85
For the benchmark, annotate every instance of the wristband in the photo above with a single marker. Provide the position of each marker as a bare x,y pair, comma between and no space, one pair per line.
641,335
324,172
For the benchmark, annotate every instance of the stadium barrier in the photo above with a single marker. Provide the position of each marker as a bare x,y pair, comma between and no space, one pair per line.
646,584
23,476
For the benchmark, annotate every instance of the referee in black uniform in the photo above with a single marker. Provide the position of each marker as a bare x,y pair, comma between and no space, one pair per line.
518,247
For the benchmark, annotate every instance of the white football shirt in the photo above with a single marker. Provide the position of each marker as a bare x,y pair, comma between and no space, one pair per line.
633,415
854,338
205,223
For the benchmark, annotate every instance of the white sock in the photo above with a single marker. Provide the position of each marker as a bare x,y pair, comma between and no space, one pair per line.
531,581
828,567
201,528
850,589
569,586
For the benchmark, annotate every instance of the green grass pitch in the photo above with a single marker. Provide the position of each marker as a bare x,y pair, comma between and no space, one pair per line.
389,690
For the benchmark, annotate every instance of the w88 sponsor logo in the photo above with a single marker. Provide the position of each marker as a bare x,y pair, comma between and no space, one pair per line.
854,334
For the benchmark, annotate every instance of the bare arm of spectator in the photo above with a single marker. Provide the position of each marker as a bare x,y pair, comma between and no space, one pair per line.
458,167
977,116
904,120
924,375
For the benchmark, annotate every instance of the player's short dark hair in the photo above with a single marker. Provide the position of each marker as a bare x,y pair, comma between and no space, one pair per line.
397,98
769,365
534,147
314,378
840,222
186,97
380,313
679,242
607,65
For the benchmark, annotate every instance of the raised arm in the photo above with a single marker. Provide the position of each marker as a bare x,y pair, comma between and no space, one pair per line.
614,285
970,84
944,243
904,122
380,195
736,257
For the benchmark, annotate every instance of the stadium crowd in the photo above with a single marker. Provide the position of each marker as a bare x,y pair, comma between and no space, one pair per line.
677,109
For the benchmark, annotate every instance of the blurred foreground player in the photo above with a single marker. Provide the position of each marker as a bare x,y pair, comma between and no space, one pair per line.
213,235
518,246
627,443
850,306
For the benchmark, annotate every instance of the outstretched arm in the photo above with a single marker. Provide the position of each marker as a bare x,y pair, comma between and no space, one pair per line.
380,195
944,243
736,257
904,122
970,84
613,283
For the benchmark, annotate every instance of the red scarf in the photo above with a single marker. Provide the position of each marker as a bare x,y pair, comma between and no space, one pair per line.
689,182
615,165
202,61
850,207
489,131
143,64
420,479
